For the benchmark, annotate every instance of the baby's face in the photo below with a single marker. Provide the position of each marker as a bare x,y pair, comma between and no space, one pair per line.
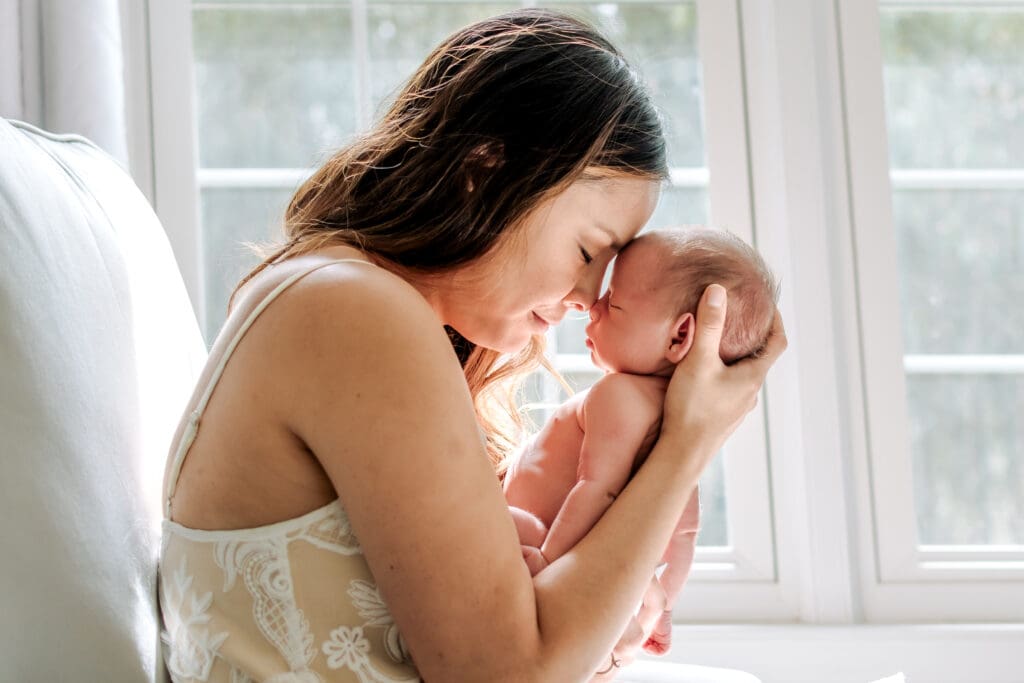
630,326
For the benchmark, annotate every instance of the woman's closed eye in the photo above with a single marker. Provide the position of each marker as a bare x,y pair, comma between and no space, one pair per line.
587,258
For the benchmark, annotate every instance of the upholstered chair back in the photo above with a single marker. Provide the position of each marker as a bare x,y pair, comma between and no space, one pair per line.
99,351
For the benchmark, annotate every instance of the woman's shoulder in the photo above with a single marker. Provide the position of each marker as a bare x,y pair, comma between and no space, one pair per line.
333,313
351,325
323,290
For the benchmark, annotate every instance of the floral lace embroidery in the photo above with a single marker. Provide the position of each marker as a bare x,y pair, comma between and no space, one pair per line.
295,677
192,648
263,564
264,568
333,532
367,599
348,648
239,676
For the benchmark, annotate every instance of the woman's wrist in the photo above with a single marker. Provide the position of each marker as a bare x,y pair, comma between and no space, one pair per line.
687,455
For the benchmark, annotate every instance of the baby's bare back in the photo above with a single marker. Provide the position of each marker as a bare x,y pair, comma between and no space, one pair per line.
549,465
545,470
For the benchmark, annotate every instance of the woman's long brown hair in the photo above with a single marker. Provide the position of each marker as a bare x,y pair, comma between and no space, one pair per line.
501,115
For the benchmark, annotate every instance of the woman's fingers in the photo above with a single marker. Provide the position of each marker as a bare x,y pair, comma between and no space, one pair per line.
710,321
706,399
774,347
777,341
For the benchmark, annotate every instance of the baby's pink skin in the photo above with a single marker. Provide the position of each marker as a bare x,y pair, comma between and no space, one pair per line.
568,475
679,557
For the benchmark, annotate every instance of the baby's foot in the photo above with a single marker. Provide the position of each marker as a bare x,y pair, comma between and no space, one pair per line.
534,559
660,640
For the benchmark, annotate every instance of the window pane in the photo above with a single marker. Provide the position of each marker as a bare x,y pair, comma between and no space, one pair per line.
961,256
230,219
954,82
402,35
713,521
954,87
274,86
661,40
967,435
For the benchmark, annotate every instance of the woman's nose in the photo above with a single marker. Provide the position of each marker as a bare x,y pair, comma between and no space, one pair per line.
584,294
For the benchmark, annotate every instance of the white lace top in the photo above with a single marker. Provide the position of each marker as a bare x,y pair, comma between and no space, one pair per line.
292,602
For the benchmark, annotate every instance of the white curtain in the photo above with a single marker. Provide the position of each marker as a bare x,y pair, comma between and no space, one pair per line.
62,69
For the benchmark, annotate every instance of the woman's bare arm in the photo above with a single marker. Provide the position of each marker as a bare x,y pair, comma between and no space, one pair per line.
380,399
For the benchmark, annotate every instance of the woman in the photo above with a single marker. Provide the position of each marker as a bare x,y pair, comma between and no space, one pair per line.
337,516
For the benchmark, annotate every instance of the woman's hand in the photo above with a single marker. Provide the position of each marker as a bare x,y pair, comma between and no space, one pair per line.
706,400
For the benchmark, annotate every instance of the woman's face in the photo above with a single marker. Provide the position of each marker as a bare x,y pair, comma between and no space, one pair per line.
554,262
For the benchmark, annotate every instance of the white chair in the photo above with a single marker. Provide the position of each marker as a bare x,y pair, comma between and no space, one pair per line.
99,351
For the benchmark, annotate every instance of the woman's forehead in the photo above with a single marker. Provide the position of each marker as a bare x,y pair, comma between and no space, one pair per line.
637,266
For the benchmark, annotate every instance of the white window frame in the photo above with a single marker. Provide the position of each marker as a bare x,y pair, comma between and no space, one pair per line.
908,580
817,170
745,570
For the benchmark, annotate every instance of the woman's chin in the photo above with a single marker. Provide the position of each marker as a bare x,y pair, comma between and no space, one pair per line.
510,343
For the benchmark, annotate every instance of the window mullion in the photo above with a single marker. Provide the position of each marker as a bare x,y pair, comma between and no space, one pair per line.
361,64
746,463
799,188
176,200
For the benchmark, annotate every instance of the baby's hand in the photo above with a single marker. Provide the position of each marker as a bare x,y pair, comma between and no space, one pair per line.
534,559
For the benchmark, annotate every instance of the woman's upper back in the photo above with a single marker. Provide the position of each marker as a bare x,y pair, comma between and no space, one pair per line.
252,600
247,466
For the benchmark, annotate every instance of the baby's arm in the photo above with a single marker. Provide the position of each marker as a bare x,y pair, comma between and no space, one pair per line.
531,535
615,417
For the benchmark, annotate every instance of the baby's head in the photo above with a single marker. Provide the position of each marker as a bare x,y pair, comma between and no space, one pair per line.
644,323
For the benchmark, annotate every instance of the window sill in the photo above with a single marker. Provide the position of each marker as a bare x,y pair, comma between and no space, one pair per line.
798,653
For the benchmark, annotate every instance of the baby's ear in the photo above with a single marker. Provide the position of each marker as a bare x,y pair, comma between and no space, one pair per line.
682,338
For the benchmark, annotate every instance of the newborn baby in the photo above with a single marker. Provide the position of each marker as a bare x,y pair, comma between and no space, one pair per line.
571,470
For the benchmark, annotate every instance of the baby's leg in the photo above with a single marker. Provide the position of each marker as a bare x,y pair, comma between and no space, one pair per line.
659,642
679,559
531,537
652,616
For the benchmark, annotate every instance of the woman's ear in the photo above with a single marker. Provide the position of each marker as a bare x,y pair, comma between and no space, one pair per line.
682,338
483,160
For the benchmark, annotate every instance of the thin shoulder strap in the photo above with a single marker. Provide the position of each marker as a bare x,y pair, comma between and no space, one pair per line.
192,427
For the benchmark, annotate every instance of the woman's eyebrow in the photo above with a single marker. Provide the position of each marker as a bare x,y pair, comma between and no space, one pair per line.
615,244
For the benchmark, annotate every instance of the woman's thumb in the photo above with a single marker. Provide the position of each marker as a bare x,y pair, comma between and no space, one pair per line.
711,319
